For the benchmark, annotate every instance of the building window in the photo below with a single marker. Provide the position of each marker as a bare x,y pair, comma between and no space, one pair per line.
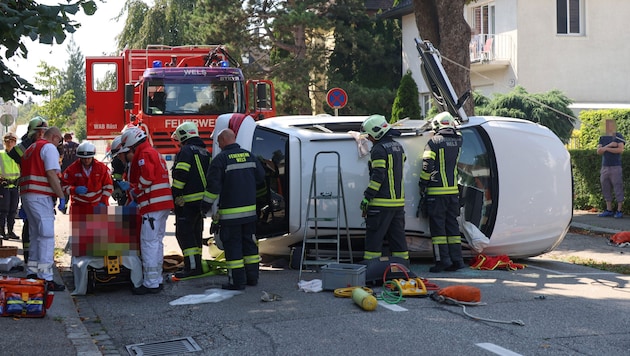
425,104
569,14
483,20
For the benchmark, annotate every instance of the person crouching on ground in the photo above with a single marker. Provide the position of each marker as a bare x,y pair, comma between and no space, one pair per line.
87,181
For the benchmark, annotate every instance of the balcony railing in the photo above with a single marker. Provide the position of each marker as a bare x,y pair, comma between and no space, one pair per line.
488,48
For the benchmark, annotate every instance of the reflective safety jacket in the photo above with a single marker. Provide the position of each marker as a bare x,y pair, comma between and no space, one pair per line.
18,150
99,183
9,170
189,172
34,178
235,175
386,188
439,163
149,180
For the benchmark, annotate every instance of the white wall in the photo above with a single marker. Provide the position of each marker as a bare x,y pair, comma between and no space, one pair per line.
411,58
593,67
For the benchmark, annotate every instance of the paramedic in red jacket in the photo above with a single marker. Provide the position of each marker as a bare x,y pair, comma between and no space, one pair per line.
87,181
150,188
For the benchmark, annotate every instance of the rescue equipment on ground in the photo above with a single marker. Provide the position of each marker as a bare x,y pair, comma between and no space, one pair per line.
620,239
459,294
362,296
21,297
488,263
396,289
218,266
386,266
411,287
363,299
464,295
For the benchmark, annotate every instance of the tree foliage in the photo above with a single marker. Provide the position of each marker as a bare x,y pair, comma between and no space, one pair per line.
592,125
73,77
43,23
406,103
365,59
550,109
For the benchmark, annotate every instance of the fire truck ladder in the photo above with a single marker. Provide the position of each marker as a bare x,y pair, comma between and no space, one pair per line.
315,255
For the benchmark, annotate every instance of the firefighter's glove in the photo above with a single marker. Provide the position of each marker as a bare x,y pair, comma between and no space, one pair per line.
179,201
364,205
214,227
124,185
62,205
22,213
80,189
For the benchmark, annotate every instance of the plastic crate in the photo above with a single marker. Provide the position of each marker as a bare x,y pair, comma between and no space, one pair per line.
342,275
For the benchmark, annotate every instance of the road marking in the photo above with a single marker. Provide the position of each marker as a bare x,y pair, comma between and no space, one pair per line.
392,307
497,349
567,274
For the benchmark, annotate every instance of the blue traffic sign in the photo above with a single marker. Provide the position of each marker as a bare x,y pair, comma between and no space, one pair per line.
337,98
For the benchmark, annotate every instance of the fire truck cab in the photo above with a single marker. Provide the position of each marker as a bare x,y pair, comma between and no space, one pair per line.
160,87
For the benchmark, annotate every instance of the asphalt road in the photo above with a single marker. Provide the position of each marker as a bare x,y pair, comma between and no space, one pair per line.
565,309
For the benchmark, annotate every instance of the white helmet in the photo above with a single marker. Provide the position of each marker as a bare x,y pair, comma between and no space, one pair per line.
132,137
116,145
86,150
185,131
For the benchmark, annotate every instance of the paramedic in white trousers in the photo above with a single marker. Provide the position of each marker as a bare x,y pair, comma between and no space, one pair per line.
39,186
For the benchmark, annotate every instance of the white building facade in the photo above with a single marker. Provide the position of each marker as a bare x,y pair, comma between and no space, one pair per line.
579,47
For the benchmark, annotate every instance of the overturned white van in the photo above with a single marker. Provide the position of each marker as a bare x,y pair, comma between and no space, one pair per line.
515,177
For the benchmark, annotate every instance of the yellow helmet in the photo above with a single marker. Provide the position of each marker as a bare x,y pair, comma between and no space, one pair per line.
185,131
375,126
36,123
443,120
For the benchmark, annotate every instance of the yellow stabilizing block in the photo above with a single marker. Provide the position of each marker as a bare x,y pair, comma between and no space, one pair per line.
113,264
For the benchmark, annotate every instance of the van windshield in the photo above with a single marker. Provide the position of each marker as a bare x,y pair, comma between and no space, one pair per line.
182,98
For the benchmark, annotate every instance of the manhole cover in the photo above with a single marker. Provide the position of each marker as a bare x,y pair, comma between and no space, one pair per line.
186,344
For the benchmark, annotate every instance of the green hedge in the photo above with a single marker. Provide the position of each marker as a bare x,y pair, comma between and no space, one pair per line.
587,189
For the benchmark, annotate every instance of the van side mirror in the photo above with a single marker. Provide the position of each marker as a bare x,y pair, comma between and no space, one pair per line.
129,92
261,95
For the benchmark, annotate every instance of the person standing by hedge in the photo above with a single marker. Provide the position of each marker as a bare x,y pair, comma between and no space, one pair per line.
610,147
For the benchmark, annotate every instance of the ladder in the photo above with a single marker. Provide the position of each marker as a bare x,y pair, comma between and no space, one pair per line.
313,218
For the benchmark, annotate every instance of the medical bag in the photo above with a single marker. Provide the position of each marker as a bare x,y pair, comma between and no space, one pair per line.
21,297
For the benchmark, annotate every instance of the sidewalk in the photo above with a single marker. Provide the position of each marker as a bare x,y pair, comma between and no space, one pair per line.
62,329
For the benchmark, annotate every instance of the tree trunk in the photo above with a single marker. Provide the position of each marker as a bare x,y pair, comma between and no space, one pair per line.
442,22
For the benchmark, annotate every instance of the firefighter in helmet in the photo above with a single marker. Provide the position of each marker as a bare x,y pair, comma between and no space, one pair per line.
119,170
438,180
383,203
189,190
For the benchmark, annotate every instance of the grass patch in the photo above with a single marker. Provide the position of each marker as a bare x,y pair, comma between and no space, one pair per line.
589,262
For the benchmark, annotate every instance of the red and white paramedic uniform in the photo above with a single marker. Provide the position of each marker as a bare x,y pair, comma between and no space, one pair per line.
38,201
150,185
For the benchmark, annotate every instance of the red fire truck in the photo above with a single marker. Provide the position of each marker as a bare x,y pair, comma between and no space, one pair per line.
160,87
